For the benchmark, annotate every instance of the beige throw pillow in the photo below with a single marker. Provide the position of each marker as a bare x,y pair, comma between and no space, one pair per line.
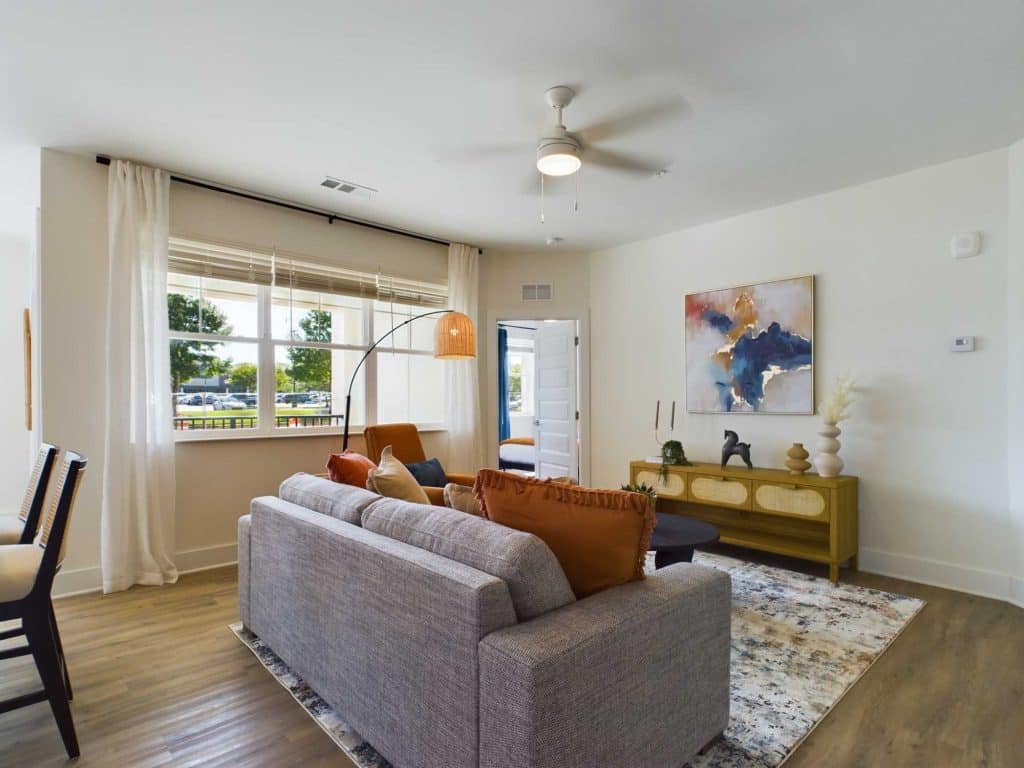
393,480
461,497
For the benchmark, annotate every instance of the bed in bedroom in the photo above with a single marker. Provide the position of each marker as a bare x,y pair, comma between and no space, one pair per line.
516,453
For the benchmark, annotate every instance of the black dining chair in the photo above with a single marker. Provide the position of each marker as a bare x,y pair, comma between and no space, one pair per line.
21,528
26,578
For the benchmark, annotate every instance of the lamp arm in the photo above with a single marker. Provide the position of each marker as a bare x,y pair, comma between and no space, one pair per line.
352,381
377,343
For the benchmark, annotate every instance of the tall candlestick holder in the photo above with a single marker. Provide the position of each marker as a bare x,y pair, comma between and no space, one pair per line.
671,451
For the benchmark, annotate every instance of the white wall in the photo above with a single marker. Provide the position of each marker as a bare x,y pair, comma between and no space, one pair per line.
501,275
928,437
215,479
19,199
1015,351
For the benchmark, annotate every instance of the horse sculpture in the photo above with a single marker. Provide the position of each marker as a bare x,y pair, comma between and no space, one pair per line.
733,447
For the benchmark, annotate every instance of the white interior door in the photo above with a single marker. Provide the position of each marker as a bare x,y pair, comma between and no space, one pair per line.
555,401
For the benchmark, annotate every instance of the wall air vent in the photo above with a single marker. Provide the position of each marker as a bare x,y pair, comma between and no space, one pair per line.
348,187
536,291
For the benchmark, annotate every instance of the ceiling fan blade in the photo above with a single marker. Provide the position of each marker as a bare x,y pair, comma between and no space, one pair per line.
631,120
616,162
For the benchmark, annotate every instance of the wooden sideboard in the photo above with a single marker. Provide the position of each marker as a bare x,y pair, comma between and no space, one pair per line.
804,516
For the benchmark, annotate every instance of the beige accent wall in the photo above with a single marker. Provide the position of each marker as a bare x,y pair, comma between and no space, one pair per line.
216,478
19,200
502,274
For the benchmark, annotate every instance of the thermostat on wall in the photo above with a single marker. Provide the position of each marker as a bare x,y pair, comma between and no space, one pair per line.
962,344
965,245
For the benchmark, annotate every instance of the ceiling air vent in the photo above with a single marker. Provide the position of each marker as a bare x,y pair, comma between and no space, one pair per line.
536,291
348,187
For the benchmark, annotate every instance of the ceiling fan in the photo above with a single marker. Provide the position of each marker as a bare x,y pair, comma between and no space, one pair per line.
561,153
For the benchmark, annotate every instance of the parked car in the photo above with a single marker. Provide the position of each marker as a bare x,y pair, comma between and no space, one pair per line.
228,403
249,398
295,398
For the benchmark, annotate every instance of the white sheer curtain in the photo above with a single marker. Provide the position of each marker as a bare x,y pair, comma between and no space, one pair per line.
465,431
137,531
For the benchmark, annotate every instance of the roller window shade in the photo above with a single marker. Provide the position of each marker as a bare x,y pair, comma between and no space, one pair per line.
225,262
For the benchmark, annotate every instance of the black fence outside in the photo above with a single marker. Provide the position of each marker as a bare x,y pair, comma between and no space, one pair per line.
186,423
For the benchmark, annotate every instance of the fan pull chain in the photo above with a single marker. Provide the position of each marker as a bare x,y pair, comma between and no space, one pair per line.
542,198
576,199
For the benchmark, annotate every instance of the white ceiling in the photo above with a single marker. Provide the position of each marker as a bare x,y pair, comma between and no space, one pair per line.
773,100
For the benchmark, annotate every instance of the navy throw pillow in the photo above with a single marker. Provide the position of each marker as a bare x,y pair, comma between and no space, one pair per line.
429,473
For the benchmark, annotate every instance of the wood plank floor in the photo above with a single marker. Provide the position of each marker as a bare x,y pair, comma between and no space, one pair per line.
160,681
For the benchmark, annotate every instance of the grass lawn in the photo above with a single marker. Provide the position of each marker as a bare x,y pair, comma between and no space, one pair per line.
221,419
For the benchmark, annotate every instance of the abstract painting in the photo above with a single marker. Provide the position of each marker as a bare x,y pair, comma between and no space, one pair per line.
750,349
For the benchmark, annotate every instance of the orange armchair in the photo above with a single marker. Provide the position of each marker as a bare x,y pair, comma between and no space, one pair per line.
404,440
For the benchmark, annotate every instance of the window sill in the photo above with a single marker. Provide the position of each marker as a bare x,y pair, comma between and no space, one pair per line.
211,436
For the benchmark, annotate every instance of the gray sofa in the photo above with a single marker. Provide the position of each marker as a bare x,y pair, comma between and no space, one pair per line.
448,641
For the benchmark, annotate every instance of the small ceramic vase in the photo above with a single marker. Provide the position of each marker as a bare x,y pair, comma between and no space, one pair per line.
827,462
796,459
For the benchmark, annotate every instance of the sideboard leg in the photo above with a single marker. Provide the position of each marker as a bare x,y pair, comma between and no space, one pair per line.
853,563
833,572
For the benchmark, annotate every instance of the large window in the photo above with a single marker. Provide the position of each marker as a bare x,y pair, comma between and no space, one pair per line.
265,345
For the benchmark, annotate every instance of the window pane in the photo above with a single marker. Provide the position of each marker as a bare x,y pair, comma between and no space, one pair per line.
410,388
419,334
229,307
311,385
183,303
225,307
308,316
214,385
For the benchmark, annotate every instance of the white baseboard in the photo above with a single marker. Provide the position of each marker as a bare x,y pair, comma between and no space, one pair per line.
962,578
82,580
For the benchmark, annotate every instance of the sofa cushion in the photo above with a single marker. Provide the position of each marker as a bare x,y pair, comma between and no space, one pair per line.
393,480
345,502
349,467
599,537
461,497
535,580
429,472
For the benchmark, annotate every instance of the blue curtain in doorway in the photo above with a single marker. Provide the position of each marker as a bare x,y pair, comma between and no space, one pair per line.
504,422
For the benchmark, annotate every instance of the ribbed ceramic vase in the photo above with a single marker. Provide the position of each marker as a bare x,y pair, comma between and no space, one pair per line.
827,462
796,459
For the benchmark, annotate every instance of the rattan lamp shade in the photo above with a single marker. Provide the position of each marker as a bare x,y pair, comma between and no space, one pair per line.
455,337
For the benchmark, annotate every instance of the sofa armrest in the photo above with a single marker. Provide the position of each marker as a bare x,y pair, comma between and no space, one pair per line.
460,479
636,675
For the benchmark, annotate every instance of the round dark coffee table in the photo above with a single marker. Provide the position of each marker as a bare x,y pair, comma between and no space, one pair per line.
675,537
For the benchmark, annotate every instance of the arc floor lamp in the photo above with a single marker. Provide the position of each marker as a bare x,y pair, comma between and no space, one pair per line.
454,339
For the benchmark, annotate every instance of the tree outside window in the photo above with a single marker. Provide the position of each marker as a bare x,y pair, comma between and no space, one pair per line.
189,358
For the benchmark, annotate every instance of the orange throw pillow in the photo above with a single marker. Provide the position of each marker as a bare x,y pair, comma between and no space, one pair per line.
599,537
350,468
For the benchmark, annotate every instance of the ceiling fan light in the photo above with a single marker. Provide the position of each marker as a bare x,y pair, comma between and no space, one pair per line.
558,159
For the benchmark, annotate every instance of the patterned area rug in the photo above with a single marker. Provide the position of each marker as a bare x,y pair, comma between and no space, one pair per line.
798,644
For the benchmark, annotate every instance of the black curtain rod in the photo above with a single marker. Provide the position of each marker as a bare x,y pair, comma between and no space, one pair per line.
331,217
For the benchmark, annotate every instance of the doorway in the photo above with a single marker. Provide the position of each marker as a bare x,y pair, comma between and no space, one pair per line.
538,398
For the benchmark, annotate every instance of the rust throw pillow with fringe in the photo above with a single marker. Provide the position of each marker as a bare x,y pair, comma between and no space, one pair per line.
599,537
